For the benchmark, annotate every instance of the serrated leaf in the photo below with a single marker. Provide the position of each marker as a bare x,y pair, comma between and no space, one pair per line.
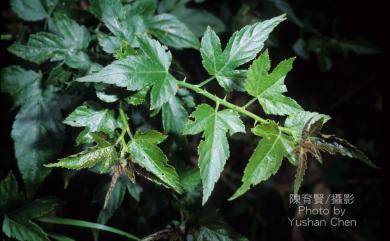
38,135
145,152
33,10
23,230
301,170
174,115
242,47
9,193
211,227
266,159
21,84
105,155
199,20
94,119
268,88
139,97
66,44
213,150
109,43
335,145
172,32
297,121
37,208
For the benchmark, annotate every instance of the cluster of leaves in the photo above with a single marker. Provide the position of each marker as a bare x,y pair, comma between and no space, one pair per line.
111,142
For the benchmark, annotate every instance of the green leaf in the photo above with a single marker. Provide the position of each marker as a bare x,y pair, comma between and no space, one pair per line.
199,20
139,97
94,119
145,152
242,47
133,73
33,10
9,193
105,155
38,135
335,145
21,84
266,159
174,115
59,237
297,122
37,208
109,43
136,72
268,88
169,30
23,230
211,227
67,44
213,150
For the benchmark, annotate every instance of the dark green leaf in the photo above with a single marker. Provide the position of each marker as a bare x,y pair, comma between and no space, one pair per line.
174,115
23,230
169,30
9,193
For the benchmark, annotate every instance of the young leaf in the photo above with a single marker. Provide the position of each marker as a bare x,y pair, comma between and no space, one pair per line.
94,119
66,44
170,31
242,47
145,152
214,149
268,88
23,230
174,115
333,145
266,159
299,120
301,170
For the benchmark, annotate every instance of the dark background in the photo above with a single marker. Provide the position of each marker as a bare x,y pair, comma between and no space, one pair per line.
350,92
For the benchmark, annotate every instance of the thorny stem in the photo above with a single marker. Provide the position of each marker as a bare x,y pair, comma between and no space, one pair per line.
239,109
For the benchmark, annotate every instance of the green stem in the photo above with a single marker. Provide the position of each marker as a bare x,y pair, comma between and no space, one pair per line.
227,104
86,224
249,103
206,81
223,102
